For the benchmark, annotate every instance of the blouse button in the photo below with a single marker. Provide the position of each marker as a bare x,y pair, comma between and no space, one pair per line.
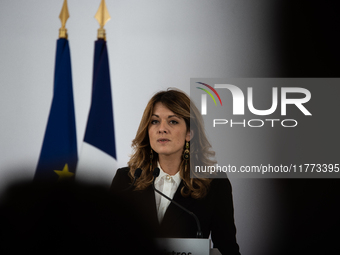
168,177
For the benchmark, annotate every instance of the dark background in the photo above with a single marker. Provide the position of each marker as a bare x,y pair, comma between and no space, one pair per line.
309,47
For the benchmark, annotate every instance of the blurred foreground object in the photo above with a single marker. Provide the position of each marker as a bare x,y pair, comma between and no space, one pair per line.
69,218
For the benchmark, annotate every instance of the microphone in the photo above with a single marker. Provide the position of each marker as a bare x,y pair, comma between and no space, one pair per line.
137,174
155,175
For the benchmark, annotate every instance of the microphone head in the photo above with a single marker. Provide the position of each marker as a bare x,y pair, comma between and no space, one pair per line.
156,172
138,172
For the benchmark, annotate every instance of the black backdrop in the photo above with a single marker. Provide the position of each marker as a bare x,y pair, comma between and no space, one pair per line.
309,43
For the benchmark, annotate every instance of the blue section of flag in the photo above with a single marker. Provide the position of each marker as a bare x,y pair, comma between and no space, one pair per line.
100,128
60,140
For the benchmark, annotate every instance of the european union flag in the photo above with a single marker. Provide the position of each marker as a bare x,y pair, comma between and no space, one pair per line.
98,155
59,156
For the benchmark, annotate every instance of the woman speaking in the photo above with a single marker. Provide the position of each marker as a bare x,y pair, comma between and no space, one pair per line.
165,140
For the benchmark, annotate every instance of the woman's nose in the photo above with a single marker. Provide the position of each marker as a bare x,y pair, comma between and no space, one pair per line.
162,127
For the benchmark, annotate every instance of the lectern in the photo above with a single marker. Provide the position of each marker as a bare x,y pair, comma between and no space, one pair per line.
186,246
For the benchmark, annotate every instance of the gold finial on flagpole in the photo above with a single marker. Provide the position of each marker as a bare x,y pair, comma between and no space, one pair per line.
102,16
63,16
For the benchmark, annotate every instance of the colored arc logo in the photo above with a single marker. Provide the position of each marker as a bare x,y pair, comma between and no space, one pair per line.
208,92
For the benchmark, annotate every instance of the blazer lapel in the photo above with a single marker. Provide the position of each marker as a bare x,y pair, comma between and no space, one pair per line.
146,200
173,213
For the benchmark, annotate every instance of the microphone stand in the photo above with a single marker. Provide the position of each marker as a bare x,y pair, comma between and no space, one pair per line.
155,175
137,174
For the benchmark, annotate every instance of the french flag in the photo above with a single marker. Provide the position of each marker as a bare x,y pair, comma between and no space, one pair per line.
98,158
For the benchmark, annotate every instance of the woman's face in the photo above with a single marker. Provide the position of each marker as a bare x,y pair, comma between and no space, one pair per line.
167,132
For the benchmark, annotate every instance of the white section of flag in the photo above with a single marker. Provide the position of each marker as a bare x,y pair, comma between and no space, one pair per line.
95,166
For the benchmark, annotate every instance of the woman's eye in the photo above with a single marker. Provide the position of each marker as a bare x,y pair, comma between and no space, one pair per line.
173,122
154,122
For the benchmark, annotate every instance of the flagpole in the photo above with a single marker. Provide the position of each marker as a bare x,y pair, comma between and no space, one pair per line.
102,16
63,16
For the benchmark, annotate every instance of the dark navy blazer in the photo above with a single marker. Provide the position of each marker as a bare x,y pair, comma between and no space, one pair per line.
215,212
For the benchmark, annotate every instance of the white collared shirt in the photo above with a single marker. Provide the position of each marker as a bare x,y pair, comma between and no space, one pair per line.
167,184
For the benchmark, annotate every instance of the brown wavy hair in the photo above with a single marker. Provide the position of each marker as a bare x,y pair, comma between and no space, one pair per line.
200,149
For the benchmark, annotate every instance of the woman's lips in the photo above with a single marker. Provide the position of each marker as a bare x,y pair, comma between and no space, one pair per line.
163,140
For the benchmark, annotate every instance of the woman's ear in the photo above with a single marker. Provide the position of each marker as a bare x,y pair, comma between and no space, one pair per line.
189,136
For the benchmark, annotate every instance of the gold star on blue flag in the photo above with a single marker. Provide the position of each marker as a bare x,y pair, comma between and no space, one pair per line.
64,174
